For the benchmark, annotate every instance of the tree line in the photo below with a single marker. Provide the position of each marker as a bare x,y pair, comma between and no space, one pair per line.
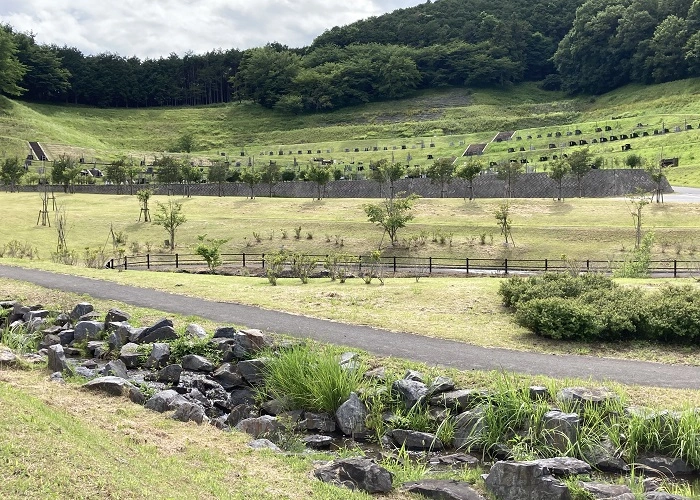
590,46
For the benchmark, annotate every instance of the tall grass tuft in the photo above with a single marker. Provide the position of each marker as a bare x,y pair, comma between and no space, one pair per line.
312,379
19,339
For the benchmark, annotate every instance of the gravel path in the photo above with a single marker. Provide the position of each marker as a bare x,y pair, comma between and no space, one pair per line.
384,343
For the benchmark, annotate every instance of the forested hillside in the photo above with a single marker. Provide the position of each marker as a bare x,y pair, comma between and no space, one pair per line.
581,47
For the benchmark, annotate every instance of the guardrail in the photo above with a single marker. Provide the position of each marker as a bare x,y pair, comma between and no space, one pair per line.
423,266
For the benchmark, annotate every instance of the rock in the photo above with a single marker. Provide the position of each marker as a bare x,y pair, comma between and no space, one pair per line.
196,363
87,330
57,377
664,466
273,407
413,375
34,325
604,490
130,355
538,392
227,375
49,340
67,336
116,316
455,459
80,310
264,444
662,495
239,413
318,442
252,370
260,426
564,466
524,480
376,374
161,330
356,473
225,332
195,331
469,427
586,395
252,341
165,401
351,416
57,359
35,314
116,368
414,440
561,429
440,385
442,489
603,457
62,320
8,359
170,374
319,422
115,386
98,349
458,400
88,373
411,391
241,396
187,412
160,353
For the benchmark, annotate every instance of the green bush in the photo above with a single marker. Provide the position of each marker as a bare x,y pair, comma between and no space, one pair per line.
559,318
674,314
184,345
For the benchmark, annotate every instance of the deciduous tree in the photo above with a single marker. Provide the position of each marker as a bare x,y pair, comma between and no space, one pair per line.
170,217
391,214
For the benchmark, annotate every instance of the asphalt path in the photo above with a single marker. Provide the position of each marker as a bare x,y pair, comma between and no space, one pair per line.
432,351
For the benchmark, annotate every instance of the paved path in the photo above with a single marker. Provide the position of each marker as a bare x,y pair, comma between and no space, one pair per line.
400,345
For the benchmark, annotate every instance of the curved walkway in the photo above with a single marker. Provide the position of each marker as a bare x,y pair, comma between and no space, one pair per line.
384,343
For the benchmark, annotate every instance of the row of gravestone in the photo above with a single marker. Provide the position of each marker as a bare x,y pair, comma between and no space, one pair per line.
194,389
281,152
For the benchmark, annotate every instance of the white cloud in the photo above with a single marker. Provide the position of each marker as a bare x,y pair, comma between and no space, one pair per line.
154,28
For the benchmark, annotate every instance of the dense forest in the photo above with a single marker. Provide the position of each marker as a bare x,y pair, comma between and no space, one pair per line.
580,47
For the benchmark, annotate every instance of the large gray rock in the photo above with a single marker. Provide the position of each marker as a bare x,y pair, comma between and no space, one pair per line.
356,474
116,368
411,391
115,315
414,440
225,332
241,396
196,363
592,396
461,460
249,342
604,490
469,428
564,466
170,374
665,466
458,400
227,375
442,489
160,353
115,386
524,481
165,401
57,359
81,309
440,385
604,456
8,359
67,336
319,422
265,426
264,444
130,355
240,412
318,442
351,416
662,495
87,330
252,370
560,429
195,331
190,412
161,330
83,371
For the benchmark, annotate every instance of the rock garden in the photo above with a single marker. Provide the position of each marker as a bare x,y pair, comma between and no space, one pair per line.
381,430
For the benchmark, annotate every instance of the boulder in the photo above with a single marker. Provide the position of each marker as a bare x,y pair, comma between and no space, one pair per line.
264,444
440,385
560,429
115,315
664,466
322,422
67,336
604,490
49,340
170,374
57,359
35,314
524,480
662,495
318,442
586,395
195,331
160,353
469,427
264,426
165,401
196,363
85,372
603,457
130,355
225,332
241,396
442,489
161,330
564,466
538,392
116,368
414,440
411,391
239,413
80,309
115,386
414,375
252,370
87,330
458,400
356,474
351,416
187,412
376,374
8,359
273,407
455,460
227,375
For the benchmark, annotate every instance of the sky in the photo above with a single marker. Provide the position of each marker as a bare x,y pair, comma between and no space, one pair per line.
154,28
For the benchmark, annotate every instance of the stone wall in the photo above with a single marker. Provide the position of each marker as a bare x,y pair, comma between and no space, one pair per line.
597,184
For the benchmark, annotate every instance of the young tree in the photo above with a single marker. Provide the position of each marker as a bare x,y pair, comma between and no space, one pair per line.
144,195
441,172
634,161
580,164
252,178
321,175
508,171
468,171
11,172
383,171
218,173
271,174
636,203
186,143
657,174
168,170
132,173
64,171
170,217
190,174
504,221
391,214
558,169
116,173
209,250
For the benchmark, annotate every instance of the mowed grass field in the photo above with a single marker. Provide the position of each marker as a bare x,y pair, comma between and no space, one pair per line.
595,229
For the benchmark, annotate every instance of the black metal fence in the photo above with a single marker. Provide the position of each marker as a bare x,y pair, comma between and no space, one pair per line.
424,266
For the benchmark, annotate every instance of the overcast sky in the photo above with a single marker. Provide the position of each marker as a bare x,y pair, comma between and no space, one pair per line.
154,28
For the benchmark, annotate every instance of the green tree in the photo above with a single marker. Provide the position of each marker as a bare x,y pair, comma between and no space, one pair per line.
144,195
218,172
11,70
170,217
321,175
508,171
209,250
558,169
383,171
186,143
266,74
504,221
65,171
580,164
12,171
468,171
441,172
271,174
168,170
132,172
634,161
252,178
392,214
116,174
190,174
658,175
636,203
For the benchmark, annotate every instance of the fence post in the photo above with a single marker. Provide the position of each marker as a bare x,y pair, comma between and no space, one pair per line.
588,266
394,264
148,261
126,265
675,268
430,265
505,266
467,266
546,265
263,261
243,259
177,261
359,264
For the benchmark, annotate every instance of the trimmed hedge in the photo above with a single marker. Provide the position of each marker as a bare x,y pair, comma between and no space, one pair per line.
594,307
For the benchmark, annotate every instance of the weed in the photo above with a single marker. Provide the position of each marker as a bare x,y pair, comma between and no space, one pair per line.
303,266
404,467
297,232
309,236
275,266
19,339
184,345
257,237
284,233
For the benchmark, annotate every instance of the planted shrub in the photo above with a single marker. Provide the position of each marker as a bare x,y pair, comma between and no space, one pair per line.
184,345
559,318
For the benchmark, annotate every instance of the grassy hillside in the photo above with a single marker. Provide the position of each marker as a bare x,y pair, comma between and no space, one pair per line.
449,120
